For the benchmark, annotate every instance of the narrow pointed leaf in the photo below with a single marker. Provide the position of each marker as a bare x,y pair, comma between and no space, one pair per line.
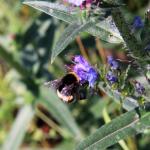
68,36
114,2
56,10
126,125
59,111
19,128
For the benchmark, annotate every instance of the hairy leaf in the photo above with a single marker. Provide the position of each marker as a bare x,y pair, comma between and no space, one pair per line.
68,35
114,2
126,125
56,10
69,15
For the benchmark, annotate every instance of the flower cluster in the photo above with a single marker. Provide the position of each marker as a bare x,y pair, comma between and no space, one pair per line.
84,71
75,2
113,64
137,23
81,3
112,78
139,88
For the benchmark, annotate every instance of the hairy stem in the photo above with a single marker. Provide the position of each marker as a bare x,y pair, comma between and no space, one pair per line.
130,40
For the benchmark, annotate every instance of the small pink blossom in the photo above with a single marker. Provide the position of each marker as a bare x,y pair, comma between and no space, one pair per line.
81,3
75,2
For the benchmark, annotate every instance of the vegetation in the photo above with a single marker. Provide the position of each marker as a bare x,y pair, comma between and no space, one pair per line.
99,51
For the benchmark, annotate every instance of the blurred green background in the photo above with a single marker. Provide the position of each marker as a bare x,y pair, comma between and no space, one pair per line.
27,36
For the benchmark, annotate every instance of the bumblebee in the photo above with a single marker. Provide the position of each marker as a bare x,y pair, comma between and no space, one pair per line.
68,88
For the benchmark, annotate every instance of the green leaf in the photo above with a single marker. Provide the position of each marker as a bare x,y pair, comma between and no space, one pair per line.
105,34
70,15
19,128
114,2
126,125
68,36
59,111
56,10
113,32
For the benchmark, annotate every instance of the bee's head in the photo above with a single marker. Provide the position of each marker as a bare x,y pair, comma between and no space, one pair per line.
71,77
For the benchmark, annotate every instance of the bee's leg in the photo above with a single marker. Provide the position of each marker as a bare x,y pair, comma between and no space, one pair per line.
82,94
92,91
77,96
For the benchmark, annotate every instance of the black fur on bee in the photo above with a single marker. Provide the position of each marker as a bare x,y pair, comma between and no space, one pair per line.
68,88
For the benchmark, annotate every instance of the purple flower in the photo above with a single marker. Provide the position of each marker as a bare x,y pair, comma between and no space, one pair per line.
75,2
137,23
139,88
84,71
112,62
92,76
78,59
81,3
111,77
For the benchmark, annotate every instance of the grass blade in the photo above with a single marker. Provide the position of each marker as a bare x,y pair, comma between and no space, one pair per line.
17,133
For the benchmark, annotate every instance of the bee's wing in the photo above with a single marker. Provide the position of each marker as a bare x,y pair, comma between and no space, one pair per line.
53,84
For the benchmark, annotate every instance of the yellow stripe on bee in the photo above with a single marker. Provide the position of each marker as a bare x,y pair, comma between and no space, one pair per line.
65,98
